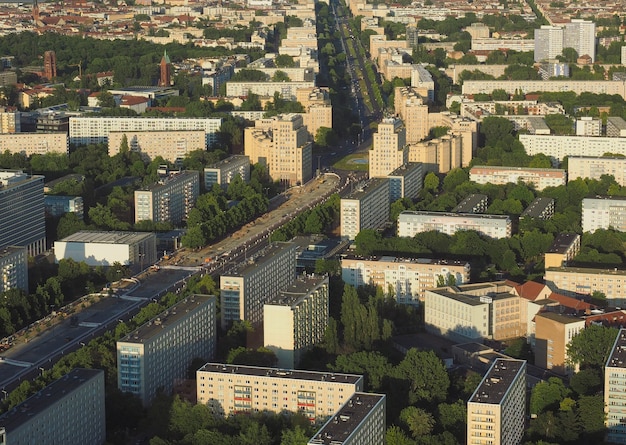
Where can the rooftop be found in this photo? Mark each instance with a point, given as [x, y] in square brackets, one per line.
[587, 270]
[621, 199]
[11, 250]
[563, 242]
[261, 257]
[468, 204]
[47, 397]
[393, 259]
[281, 373]
[230, 159]
[166, 318]
[178, 176]
[536, 208]
[365, 189]
[497, 381]
[298, 290]
[345, 421]
[559, 318]
[617, 359]
[455, 215]
[516, 169]
[405, 169]
[90, 236]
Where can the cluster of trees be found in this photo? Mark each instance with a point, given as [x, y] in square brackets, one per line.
[317, 220]
[602, 247]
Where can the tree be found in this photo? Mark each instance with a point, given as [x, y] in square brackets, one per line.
[495, 129]
[396, 436]
[419, 421]
[586, 381]
[325, 137]
[426, 374]
[373, 365]
[454, 178]
[547, 394]
[453, 417]
[431, 182]
[297, 436]
[592, 346]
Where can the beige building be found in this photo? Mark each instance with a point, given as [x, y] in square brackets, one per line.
[410, 223]
[249, 285]
[497, 175]
[595, 167]
[461, 127]
[296, 319]
[575, 281]
[563, 250]
[604, 212]
[413, 110]
[69, 410]
[282, 144]
[287, 90]
[232, 389]
[553, 332]
[534, 86]
[389, 149]
[13, 269]
[588, 126]
[438, 155]
[10, 121]
[365, 208]
[404, 279]
[172, 146]
[363, 422]
[614, 389]
[496, 412]
[558, 147]
[34, 143]
[319, 111]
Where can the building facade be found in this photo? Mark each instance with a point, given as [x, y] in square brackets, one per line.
[614, 389]
[365, 208]
[247, 287]
[577, 281]
[615, 127]
[232, 389]
[22, 220]
[225, 170]
[497, 175]
[595, 167]
[297, 318]
[406, 181]
[172, 146]
[389, 149]
[540, 208]
[413, 110]
[604, 212]
[410, 223]
[496, 412]
[170, 200]
[70, 411]
[59, 205]
[529, 86]
[558, 147]
[287, 90]
[563, 250]
[553, 332]
[13, 268]
[30, 144]
[161, 350]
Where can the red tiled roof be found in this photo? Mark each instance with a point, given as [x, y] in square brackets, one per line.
[572, 303]
[530, 290]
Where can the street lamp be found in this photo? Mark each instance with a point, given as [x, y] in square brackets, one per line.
[5, 394]
[42, 370]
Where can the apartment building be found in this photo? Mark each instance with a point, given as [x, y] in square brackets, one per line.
[157, 353]
[581, 35]
[474, 203]
[496, 412]
[491, 44]
[135, 249]
[604, 212]
[563, 250]
[548, 42]
[389, 149]
[10, 120]
[528, 86]
[225, 170]
[462, 128]
[22, 221]
[497, 175]
[558, 147]
[360, 421]
[248, 286]
[318, 109]
[615, 127]
[576, 281]
[438, 155]
[169, 200]
[423, 82]
[473, 312]
[365, 208]
[410, 223]
[614, 389]
[86, 130]
[594, 167]
[296, 319]
[172, 146]
[59, 205]
[404, 279]
[287, 90]
[231, 389]
[540, 208]
[282, 144]
[413, 110]
[405, 181]
[30, 144]
[13, 268]
[69, 410]
[588, 126]
[553, 332]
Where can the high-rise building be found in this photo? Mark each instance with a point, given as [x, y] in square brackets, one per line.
[360, 421]
[282, 144]
[318, 109]
[548, 42]
[225, 170]
[160, 351]
[296, 319]
[69, 410]
[229, 389]
[614, 389]
[604, 212]
[49, 65]
[413, 110]
[496, 412]
[13, 268]
[247, 287]
[22, 220]
[405, 181]
[169, 200]
[365, 208]
[410, 223]
[389, 149]
[165, 70]
[581, 35]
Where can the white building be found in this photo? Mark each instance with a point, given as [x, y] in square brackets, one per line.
[95, 130]
[69, 411]
[107, 248]
[529, 86]
[594, 167]
[558, 147]
[604, 212]
[548, 42]
[498, 175]
[588, 126]
[225, 170]
[171, 145]
[13, 268]
[156, 354]
[581, 35]
[287, 90]
[614, 389]
[296, 319]
[410, 223]
[365, 208]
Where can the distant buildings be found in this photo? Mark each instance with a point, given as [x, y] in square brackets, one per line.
[69, 410]
[411, 223]
[35, 143]
[296, 319]
[365, 208]
[413, 110]
[497, 175]
[231, 389]
[22, 220]
[529, 86]
[172, 145]
[106, 248]
[225, 170]
[496, 412]
[13, 269]
[287, 90]
[169, 200]
[160, 351]
[614, 389]
[604, 212]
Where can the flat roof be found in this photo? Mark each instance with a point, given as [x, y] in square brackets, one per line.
[394, 259]
[345, 421]
[563, 242]
[297, 290]
[366, 188]
[405, 169]
[516, 169]
[261, 257]
[228, 160]
[170, 178]
[281, 373]
[454, 215]
[97, 237]
[617, 358]
[11, 250]
[606, 198]
[497, 381]
[587, 270]
[48, 396]
[463, 298]
[559, 318]
[166, 318]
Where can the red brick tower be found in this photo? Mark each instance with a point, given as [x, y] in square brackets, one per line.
[50, 65]
[166, 76]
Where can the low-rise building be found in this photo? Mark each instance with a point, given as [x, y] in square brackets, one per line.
[365, 208]
[498, 175]
[615, 127]
[13, 268]
[157, 353]
[563, 250]
[541, 208]
[171, 145]
[474, 203]
[405, 181]
[595, 167]
[225, 170]
[604, 212]
[232, 389]
[410, 223]
[578, 281]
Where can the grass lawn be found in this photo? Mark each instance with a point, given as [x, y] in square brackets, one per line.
[355, 162]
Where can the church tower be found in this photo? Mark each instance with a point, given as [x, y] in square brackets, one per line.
[35, 12]
[50, 65]
[166, 67]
